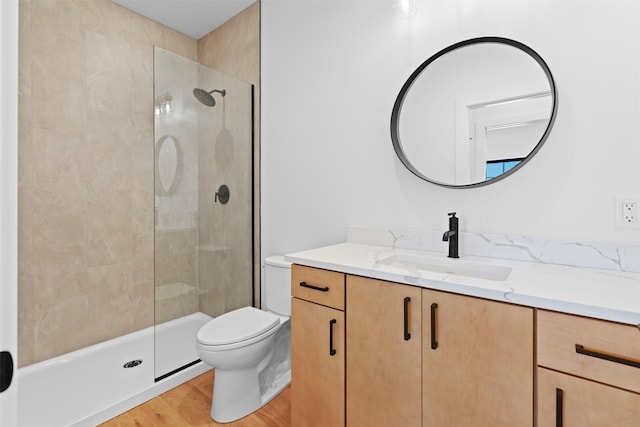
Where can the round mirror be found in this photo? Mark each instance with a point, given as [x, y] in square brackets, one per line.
[474, 113]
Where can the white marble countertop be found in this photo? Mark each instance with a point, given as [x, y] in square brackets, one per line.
[602, 294]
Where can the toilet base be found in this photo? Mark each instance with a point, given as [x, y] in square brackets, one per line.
[238, 397]
[240, 391]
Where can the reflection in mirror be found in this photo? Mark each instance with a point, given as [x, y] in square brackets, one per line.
[168, 165]
[474, 113]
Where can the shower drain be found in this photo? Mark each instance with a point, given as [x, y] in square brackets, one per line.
[132, 364]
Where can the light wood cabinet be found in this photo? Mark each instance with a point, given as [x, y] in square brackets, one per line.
[317, 348]
[477, 362]
[369, 352]
[383, 353]
[602, 351]
[588, 372]
[567, 401]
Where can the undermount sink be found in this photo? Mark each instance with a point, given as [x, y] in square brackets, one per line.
[447, 265]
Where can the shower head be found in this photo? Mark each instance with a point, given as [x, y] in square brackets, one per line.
[205, 97]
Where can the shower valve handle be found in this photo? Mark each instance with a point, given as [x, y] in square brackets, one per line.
[222, 195]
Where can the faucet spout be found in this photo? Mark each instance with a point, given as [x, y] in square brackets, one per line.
[451, 236]
[448, 234]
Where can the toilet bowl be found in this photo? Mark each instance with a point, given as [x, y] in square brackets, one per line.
[250, 349]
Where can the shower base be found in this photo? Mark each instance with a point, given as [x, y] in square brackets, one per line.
[91, 385]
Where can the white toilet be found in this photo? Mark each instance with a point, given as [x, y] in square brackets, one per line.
[250, 349]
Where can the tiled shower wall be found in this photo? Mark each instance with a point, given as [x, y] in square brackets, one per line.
[234, 49]
[86, 199]
[203, 250]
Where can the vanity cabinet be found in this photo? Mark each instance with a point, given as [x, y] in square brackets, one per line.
[383, 353]
[588, 372]
[477, 361]
[317, 347]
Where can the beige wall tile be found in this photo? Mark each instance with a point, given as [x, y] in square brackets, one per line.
[64, 17]
[141, 95]
[60, 239]
[59, 101]
[109, 78]
[234, 49]
[61, 326]
[59, 172]
[110, 138]
[117, 301]
[179, 44]
[109, 228]
[86, 227]
[86, 172]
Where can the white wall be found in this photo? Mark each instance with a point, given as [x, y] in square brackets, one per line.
[331, 71]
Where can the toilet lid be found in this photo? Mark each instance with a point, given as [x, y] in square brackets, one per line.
[237, 325]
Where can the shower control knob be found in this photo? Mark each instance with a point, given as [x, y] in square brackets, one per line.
[222, 195]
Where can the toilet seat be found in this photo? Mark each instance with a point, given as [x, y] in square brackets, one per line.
[237, 328]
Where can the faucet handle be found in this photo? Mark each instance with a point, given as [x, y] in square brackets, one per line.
[452, 214]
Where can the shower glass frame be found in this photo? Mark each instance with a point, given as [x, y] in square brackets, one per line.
[203, 249]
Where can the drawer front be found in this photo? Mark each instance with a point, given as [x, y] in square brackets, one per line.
[318, 286]
[603, 351]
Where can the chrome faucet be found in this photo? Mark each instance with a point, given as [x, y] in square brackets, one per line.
[451, 236]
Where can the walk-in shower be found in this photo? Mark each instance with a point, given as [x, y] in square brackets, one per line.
[207, 97]
[203, 247]
[203, 257]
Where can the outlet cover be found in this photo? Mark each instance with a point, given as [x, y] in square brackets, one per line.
[628, 211]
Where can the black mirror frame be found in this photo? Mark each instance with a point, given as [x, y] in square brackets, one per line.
[397, 107]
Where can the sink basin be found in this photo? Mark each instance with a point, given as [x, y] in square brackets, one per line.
[448, 266]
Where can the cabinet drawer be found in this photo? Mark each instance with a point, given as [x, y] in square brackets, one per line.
[603, 351]
[317, 285]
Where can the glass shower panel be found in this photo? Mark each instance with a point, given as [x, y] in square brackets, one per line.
[203, 203]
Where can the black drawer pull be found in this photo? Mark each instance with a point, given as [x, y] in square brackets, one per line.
[559, 415]
[315, 288]
[434, 331]
[332, 351]
[611, 358]
[407, 335]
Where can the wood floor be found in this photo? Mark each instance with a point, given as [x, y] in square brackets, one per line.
[190, 403]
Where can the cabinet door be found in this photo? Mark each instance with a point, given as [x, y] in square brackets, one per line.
[317, 365]
[477, 362]
[383, 356]
[567, 401]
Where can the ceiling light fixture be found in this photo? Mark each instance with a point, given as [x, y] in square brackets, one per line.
[405, 9]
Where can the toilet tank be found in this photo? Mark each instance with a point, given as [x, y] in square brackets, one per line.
[277, 285]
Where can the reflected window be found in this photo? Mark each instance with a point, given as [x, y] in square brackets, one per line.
[498, 167]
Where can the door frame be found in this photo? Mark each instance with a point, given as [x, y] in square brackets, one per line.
[9, 200]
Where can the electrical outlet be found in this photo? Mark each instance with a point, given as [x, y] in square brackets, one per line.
[627, 212]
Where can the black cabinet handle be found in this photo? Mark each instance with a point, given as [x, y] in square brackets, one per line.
[315, 288]
[407, 335]
[604, 356]
[559, 415]
[434, 319]
[332, 351]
